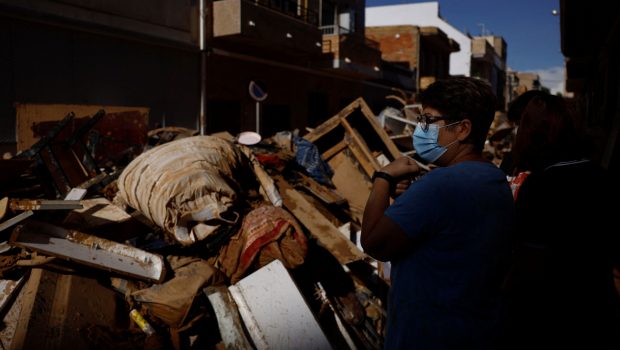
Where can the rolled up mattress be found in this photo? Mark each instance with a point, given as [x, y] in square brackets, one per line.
[187, 186]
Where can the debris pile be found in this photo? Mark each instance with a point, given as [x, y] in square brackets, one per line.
[193, 241]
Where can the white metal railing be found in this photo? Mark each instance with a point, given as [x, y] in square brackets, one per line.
[334, 29]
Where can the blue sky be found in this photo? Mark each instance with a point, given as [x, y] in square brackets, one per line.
[528, 26]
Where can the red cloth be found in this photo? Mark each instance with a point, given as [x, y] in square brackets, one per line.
[271, 160]
[516, 182]
[267, 232]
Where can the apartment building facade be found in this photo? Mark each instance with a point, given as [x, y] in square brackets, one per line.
[425, 14]
[191, 60]
[489, 63]
[424, 50]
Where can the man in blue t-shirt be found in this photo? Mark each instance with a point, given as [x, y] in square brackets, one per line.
[448, 233]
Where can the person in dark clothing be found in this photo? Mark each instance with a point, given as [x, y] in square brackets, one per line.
[447, 234]
[518, 105]
[561, 293]
[514, 117]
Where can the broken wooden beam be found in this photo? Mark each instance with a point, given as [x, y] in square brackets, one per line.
[335, 149]
[88, 250]
[4, 205]
[16, 219]
[365, 120]
[76, 194]
[351, 182]
[43, 204]
[319, 227]
[8, 288]
[56, 309]
[267, 186]
[325, 194]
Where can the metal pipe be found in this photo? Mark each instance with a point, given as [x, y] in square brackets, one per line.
[203, 69]
[257, 117]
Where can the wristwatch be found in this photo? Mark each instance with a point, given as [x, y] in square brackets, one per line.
[389, 178]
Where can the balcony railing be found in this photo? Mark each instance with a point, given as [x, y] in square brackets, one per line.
[333, 29]
[289, 8]
[338, 30]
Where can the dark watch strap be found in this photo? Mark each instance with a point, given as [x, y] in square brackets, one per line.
[385, 176]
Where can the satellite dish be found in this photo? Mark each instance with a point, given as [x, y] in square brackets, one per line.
[257, 91]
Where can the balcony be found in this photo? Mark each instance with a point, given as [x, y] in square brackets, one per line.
[270, 24]
[483, 51]
[292, 9]
[353, 53]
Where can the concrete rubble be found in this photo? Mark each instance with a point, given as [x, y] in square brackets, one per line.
[214, 243]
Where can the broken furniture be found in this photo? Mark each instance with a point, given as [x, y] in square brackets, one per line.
[400, 124]
[318, 226]
[352, 140]
[347, 316]
[71, 151]
[68, 160]
[122, 133]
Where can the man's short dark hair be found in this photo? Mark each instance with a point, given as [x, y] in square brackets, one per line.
[464, 98]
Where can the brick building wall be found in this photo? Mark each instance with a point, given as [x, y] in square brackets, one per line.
[398, 44]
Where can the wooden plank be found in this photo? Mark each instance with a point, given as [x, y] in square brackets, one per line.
[351, 183]
[342, 118]
[14, 220]
[323, 193]
[43, 204]
[69, 163]
[378, 129]
[4, 205]
[361, 158]
[320, 131]
[89, 250]
[28, 319]
[332, 122]
[267, 187]
[76, 194]
[8, 288]
[320, 228]
[55, 171]
[332, 151]
[55, 307]
[96, 212]
[361, 151]
[4, 247]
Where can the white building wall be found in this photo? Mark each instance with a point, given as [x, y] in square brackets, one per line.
[425, 14]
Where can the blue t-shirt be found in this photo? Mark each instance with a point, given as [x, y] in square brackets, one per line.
[445, 292]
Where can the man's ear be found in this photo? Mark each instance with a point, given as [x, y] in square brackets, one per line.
[464, 130]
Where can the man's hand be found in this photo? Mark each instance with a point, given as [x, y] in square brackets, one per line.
[402, 167]
[381, 237]
[401, 187]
